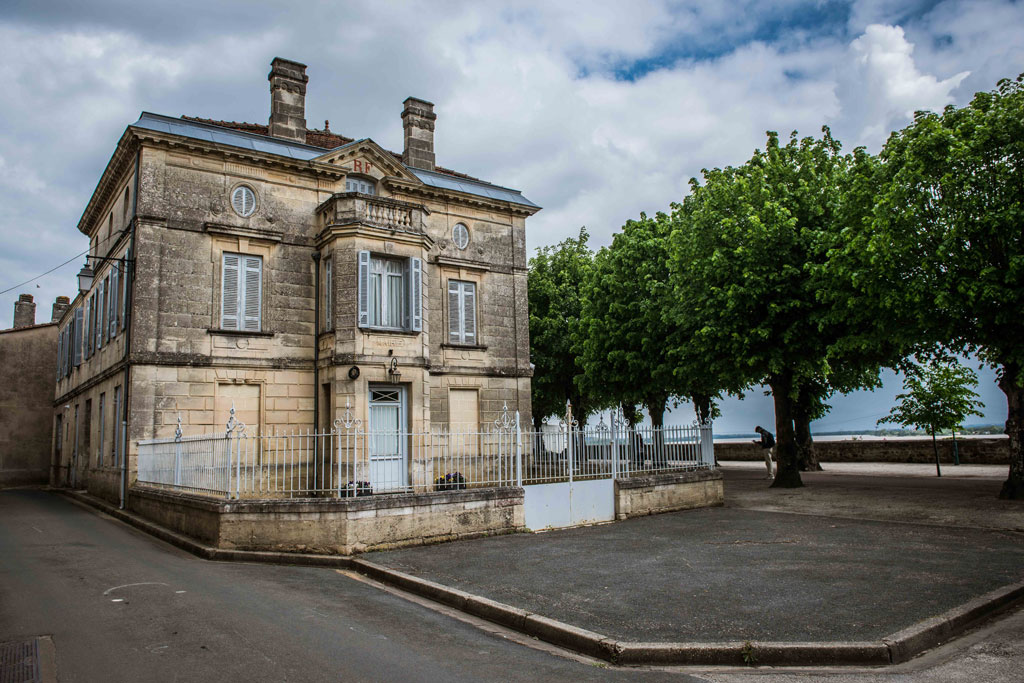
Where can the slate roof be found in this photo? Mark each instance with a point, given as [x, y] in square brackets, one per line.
[255, 136]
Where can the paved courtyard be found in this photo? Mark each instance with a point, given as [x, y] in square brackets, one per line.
[743, 572]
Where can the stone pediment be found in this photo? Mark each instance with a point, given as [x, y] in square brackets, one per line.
[365, 157]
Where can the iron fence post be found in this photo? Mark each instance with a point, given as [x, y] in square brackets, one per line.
[177, 453]
[519, 453]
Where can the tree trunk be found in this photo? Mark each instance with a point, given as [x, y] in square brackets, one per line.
[787, 476]
[656, 409]
[935, 446]
[1013, 487]
[634, 450]
[806, 457]
[701, 406]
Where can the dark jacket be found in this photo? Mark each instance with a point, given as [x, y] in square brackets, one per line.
[767, 440]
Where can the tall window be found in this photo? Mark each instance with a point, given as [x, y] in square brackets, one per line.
[99, 457]
[390, 292]
[241, 292]
[387, 293]
[327, 314]
[461, 312]
[116, 459]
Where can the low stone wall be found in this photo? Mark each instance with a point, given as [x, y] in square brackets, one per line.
[650, 495]
[977, 451]
[334, 526]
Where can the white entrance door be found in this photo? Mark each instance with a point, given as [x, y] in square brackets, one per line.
[387, 439]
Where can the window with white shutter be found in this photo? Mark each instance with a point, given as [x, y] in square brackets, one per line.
[124, 286]
[390, 293]
[76, 337]
[241, 292]
[101, 312]
[461, 312]
[243, 200]
[114, 293]
[327, 314]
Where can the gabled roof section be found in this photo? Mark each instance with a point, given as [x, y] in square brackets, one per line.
[253, 136]
[366, 149]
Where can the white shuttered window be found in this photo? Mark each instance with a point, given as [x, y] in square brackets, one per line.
[461, 312]
[241, 292]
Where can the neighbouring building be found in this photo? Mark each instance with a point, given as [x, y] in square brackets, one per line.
[292, 274]
[27, 381]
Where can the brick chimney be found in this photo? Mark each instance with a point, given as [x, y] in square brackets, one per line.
[24, 311]
[61, 304]
[288, 99]
[418, 121]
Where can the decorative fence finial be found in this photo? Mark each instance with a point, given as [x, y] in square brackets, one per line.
[568, 422]
[347, 419]
[234, 426]
[177, 432]
[505, 422]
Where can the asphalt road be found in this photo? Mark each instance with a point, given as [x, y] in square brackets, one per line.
[122, 606]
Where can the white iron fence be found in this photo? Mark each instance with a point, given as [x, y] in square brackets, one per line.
[350, 461]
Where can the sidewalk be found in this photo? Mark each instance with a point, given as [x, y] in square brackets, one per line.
[847, 569]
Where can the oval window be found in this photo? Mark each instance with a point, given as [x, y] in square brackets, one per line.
[243, 200]
[460, 235]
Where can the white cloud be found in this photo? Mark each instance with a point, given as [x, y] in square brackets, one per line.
[884, 87]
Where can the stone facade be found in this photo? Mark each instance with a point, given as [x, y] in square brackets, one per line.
[27, 359]
[184, 203]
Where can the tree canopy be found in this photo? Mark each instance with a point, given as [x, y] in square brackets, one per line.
[554, 281]
[744, 250]
[944, 251]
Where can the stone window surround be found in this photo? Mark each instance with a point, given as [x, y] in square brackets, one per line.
[465, 275]
[219, 244]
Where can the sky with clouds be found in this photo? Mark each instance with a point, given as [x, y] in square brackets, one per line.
[596, 110]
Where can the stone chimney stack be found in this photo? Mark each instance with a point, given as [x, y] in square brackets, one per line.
[418, 121]
[59, 307]
[288, 99]
[24, 311]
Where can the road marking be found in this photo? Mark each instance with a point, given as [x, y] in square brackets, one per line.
[117, 600]
[127, 585]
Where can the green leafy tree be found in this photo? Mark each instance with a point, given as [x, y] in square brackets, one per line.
[621, 340]
[938, 396]
[944, 252]
[554, 282]
[747, 247]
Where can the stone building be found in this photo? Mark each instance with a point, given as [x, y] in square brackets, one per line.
[27, 380]
[293, 274]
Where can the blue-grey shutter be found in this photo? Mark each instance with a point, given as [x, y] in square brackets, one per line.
[87, 329]
[229, 292]
[99, 316]
[364, 288]
[415, 284]
[454, 313]
[76, 341]
[115, 272]
[60, 354]
[124, 294]
[253, 292]
[328, 313]
[469, 312]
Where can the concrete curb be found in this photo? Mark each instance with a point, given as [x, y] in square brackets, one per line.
[893, 649]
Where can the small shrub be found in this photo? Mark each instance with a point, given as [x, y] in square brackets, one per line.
[356, 488]
[453, 481]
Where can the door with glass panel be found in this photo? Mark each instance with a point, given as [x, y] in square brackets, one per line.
[388, 438]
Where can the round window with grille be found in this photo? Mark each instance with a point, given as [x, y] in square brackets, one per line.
[243, 200]
[460, 235]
